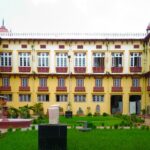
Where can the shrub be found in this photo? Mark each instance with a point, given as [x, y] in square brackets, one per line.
[96, 114]
[116, 126]
[103, 124]
[10, 129]
[105, 114]
[91, 125]
[110, 127]
[18, 129]
[89, 114]
[33, 127]
[143, 127]
[80, 111]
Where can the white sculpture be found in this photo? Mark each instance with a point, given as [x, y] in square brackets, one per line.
[53, 114]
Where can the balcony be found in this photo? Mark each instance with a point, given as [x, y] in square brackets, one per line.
[21, 88]
[98, 69]
[148, 88]
[5, 88]
[98, 89]
[24, 69]
[61, 88]
[79, 89]
[61, 69]
[43, 69]
[79, 69]
[43, 89]
[116, 69]
[135, 69]
[116, 89]
[135, 89]
[5, 69]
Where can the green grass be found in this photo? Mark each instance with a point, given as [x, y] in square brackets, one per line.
[96, 120]
[134, 139]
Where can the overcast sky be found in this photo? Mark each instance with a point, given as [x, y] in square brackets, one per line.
[75, 15]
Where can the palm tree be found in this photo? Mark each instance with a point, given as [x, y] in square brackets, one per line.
[13, 112]
[24, 111]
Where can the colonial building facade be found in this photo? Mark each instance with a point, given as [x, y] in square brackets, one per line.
[95, 72]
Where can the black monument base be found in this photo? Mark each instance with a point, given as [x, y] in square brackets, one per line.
[52, 137]
[68, 114]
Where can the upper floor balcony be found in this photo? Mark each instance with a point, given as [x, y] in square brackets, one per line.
[5, 69]
[116, 89]
[43, 89]
[98, 69]
[61, 89]
[21, 88]
[80, 89]
[148, 88]
[80, 69]
[61, 69]
[135, 69]
[98, 89]
[24, 69]
[43, 69]
[135, 89]
[116, 69]
[5, 88]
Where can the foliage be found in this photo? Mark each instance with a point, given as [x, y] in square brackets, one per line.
[10, 130]
[116, 126]
[89, 114]
[13, 112]
[96, 114]
[80, 111]
[24, 111]
[105, 114]
[91, 125]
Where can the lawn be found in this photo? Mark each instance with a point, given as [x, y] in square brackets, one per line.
[134, 139]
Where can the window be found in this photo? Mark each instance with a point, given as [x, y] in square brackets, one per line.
[98, 82]
[80, 60]
[24, 97]
[79, 98]
[61, 98]
[61, 59]
[80, 46]
[7, 97]
[98, 59]
[5, 45]
[98, 98]
[42, 59]
[5, 59]
[42, 46]
[24, 82]
[24, 59]
[5, 81]
[23, 46]
[118, 46]
[116, 59]
[116, 82]
[61, 82]
[135, 82]
[61, 46]
[43, 98]
[98, 46]
[80, 82]
[43, 82]
[135, 60]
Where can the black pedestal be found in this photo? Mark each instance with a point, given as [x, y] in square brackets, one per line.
[68, 114]
[52, 137]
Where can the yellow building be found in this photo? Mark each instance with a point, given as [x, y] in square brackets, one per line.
[95, 72]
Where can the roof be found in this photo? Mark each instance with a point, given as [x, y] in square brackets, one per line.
[3, 29]
[73, 36]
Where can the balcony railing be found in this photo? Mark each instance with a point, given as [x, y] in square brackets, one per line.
[148, 88]
[43, 69]
[79, 69]
[116, 89]
[98, 89]
[43, 89]
[24, 69]
[5, 88]
[21, 88]
[116, 69]
[98, 69]
[135, 89]
[61, 69]
[135, 69]
[5, 69]
[79, 89]
[61, 88]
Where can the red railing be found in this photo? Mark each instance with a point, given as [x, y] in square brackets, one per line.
[116, 69]
[135, 69]
[21, 88]
[5, 69]
[98, 89]
[98, 69]
[116, 89]
[135, 89]
[80, 69]
[5, 88]
[43, 69]
[148, 88]
[61, 69]
[42, 88]
[61, 88]
[24, 69]
[79, 89]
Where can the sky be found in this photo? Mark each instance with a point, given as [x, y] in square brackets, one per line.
[90, 16]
